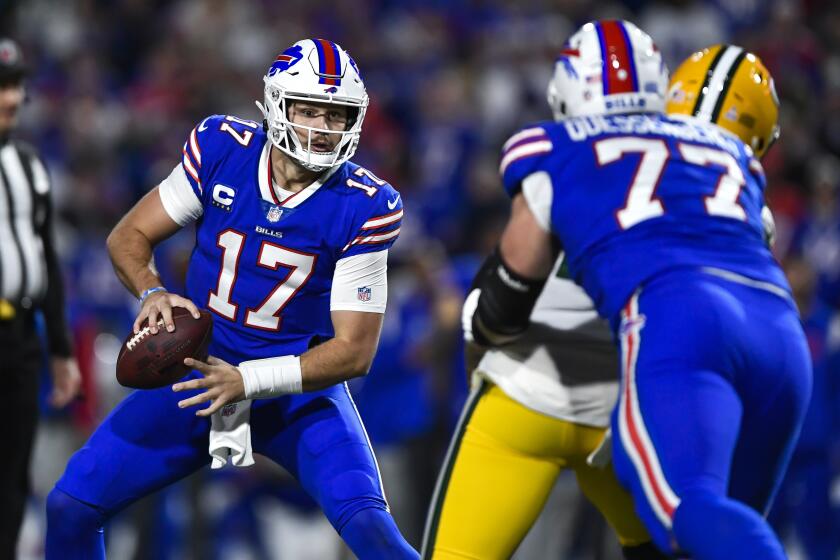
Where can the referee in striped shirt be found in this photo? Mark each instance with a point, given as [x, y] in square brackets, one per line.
[30, 280]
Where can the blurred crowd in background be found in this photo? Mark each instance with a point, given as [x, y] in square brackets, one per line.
[117, 85]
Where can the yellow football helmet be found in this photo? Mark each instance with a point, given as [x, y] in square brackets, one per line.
[731, 88]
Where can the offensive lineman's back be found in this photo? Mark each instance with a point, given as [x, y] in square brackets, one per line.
[633, 195]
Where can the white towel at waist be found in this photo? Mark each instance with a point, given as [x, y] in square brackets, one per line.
[230, 435]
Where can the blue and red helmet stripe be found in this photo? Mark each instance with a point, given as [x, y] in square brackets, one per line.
[619, 73]
[329, 62]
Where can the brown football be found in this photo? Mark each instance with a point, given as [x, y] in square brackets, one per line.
[147, 360]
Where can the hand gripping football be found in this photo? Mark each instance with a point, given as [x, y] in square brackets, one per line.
[147, 360]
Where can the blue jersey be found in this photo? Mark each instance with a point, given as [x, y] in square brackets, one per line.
[635, 195]
[263, 266]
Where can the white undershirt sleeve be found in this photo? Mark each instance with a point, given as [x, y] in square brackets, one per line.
[539, 193]
[178, 198]
[360, 283]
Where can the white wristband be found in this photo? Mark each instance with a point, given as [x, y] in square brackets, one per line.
[271, 377]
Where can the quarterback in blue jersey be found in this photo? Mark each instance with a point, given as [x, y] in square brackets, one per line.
[660, 219]
[290, 257]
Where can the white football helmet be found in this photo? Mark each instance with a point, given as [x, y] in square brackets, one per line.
[314, 70]
[608, 67]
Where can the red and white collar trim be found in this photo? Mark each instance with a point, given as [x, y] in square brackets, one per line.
[272, 194]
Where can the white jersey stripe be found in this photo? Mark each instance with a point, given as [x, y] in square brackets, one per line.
[191, 170]
[41, 183]
[370, 447]
[524, 150]
[10, 269]
[32, 249]
[382, 221]
[196, 151]
[740, 279]
[633, 433]
[376, 238]
[522, 135]
[39, 177]
[717, 81]
[373, 239]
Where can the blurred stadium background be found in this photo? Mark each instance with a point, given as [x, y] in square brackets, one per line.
[117, 85]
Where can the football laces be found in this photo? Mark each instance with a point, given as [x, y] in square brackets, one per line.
[141, 334]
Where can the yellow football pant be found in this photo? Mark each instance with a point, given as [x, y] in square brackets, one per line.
[501, 466]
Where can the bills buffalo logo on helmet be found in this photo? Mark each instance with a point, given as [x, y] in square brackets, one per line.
[356, 68]
[564, 59]
[286, 60]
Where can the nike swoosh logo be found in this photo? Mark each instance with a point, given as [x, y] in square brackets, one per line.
[393, 203]
[202, 127]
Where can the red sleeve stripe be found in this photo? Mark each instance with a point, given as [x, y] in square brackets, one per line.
[523, 135]
[381, 221]
[196, 151]
[524, 150]
[373, 239]
[187, 151]
[188, 166]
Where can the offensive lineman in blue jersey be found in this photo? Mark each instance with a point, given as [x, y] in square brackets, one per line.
[660, 219]
[291, 248]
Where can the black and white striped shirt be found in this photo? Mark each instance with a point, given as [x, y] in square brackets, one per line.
[30, 276]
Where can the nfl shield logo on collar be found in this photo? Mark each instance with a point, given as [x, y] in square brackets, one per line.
[363, 293]
[274, 214]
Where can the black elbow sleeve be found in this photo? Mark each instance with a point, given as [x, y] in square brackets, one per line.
[504, 307]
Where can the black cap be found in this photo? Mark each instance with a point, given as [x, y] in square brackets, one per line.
[12, 66]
